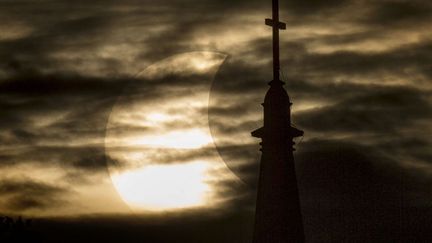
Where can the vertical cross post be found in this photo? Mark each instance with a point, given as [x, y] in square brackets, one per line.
[276, 25]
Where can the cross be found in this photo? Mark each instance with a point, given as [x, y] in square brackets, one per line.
[274, 22]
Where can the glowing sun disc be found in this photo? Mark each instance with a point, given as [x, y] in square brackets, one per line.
[164, 187]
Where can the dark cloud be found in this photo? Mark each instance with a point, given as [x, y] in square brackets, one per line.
[11, 187]
[29, 99]
[66, 27]
[394, 12]
[22, 203]
[23, 195]
[348, 62]
[85, 158]
[23, 135]
[383, 111]
[61, 85]
[312, 7]
[243, 160]
[94, 159]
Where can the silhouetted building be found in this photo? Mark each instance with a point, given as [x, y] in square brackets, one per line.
[278, 214]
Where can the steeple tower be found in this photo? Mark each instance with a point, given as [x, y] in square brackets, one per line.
[278, 213]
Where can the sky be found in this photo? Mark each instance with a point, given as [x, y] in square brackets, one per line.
[131, 119]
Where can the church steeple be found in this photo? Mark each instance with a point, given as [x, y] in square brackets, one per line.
[278, 213]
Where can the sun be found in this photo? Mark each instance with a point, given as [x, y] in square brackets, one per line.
[164, 187]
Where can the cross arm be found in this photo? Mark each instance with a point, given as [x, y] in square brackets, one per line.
[279, 25]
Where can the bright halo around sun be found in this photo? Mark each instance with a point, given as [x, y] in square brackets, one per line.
[158, 145]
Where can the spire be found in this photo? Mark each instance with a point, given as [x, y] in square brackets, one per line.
[276, 25]
[278, 213]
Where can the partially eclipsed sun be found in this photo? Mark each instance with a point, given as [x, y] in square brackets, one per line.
[159, 147]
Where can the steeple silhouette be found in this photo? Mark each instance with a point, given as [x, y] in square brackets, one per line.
[278, 213]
